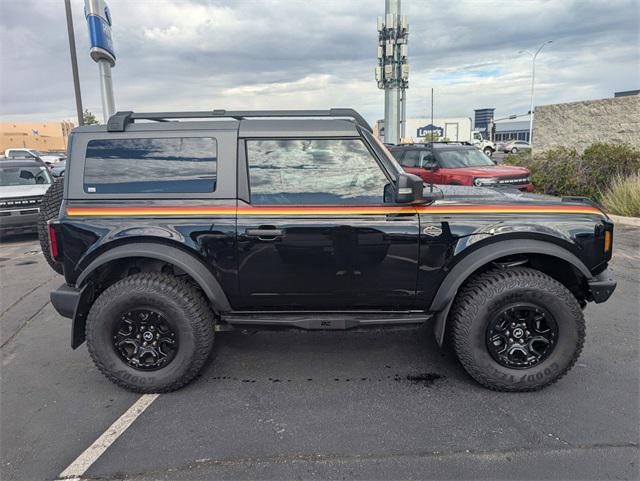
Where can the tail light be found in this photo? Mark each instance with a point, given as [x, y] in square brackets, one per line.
[54, 244]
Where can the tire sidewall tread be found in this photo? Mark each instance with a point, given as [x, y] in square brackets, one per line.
[496, 288]
[193, 320]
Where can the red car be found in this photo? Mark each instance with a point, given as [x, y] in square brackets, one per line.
[459, 164]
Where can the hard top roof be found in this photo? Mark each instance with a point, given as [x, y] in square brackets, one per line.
[120, 120]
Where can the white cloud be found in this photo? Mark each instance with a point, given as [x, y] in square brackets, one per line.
[292, 54]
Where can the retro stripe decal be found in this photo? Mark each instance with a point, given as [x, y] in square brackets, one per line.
[337, 210]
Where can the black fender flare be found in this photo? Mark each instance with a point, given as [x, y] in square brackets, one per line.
[150, 250]
[193, 266]
[448, 290]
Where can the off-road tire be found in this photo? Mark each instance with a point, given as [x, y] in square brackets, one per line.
[487, 293]
[182, 304]
[50, 209]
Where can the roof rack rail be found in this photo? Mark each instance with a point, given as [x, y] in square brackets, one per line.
[118, 121]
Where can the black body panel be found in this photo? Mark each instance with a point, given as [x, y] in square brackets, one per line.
[255, 264]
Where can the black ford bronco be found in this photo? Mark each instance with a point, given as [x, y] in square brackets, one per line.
[171, 226]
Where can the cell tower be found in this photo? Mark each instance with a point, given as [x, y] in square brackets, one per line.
[392, 72]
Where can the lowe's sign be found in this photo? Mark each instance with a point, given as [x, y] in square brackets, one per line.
[430, 129]
[99, 22]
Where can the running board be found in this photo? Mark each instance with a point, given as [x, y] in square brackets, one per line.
[329, 320]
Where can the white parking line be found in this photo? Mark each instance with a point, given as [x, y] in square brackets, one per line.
[83, 462]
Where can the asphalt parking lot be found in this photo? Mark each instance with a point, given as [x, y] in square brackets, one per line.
[345, 405]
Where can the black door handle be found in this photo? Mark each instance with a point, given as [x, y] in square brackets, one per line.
[264, 234]
[406, 216]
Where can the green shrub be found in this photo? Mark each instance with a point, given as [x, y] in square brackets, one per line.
[562, 171]
[623, 196]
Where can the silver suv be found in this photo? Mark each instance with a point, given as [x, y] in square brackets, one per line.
[22, 185]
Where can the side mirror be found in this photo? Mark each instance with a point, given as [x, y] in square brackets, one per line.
[409, 189]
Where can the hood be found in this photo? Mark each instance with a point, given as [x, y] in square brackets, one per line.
[13, 191]
[497, 171]
[487, 195]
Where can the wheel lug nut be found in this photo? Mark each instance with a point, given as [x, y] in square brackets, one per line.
[511, 340]
[144, 343]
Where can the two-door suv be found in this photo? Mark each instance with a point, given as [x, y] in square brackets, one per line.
[169, 230]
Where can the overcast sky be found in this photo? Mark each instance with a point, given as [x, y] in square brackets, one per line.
[268, 54]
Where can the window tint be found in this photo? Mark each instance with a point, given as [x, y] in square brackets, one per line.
[417, 158]
[314, 172]
[410, 158]
[135, 166]
[455, 159]
[24, 176]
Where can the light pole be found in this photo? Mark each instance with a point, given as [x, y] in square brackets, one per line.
[74, 60]
[533, 79]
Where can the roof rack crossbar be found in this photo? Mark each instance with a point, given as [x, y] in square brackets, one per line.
[118, 121]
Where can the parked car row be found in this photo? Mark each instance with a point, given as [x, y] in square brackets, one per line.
[54, 160]
[49, 158]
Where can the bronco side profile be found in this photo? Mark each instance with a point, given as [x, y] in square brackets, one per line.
[171, 226]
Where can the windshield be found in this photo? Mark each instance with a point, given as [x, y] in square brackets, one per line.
[24, 176]
[456, 159]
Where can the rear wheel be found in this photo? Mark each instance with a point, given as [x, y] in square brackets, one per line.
[516, 329]
[50, 209]
[514, 150]
[150, 332]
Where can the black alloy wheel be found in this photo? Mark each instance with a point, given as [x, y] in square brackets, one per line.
[521, 336]
[145, 340]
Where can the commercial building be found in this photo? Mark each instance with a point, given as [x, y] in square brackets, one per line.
[511, 130]
[481, 120]
[43, 136]
[452, 128]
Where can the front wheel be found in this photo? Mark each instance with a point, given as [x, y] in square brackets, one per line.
[516, 329]
[150, 332]
[488, 151]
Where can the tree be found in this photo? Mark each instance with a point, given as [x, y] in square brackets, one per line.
[88, 118]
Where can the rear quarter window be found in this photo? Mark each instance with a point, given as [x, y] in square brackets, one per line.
[151, 165]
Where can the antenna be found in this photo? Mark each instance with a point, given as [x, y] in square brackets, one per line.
[432, 128]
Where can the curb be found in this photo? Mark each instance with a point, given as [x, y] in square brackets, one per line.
[618, 219]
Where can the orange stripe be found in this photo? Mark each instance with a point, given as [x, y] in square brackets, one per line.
[316, 210]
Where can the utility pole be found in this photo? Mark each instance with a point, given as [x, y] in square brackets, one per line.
[533, 80]
[74, 61]
[102, 51]
[392, 72]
